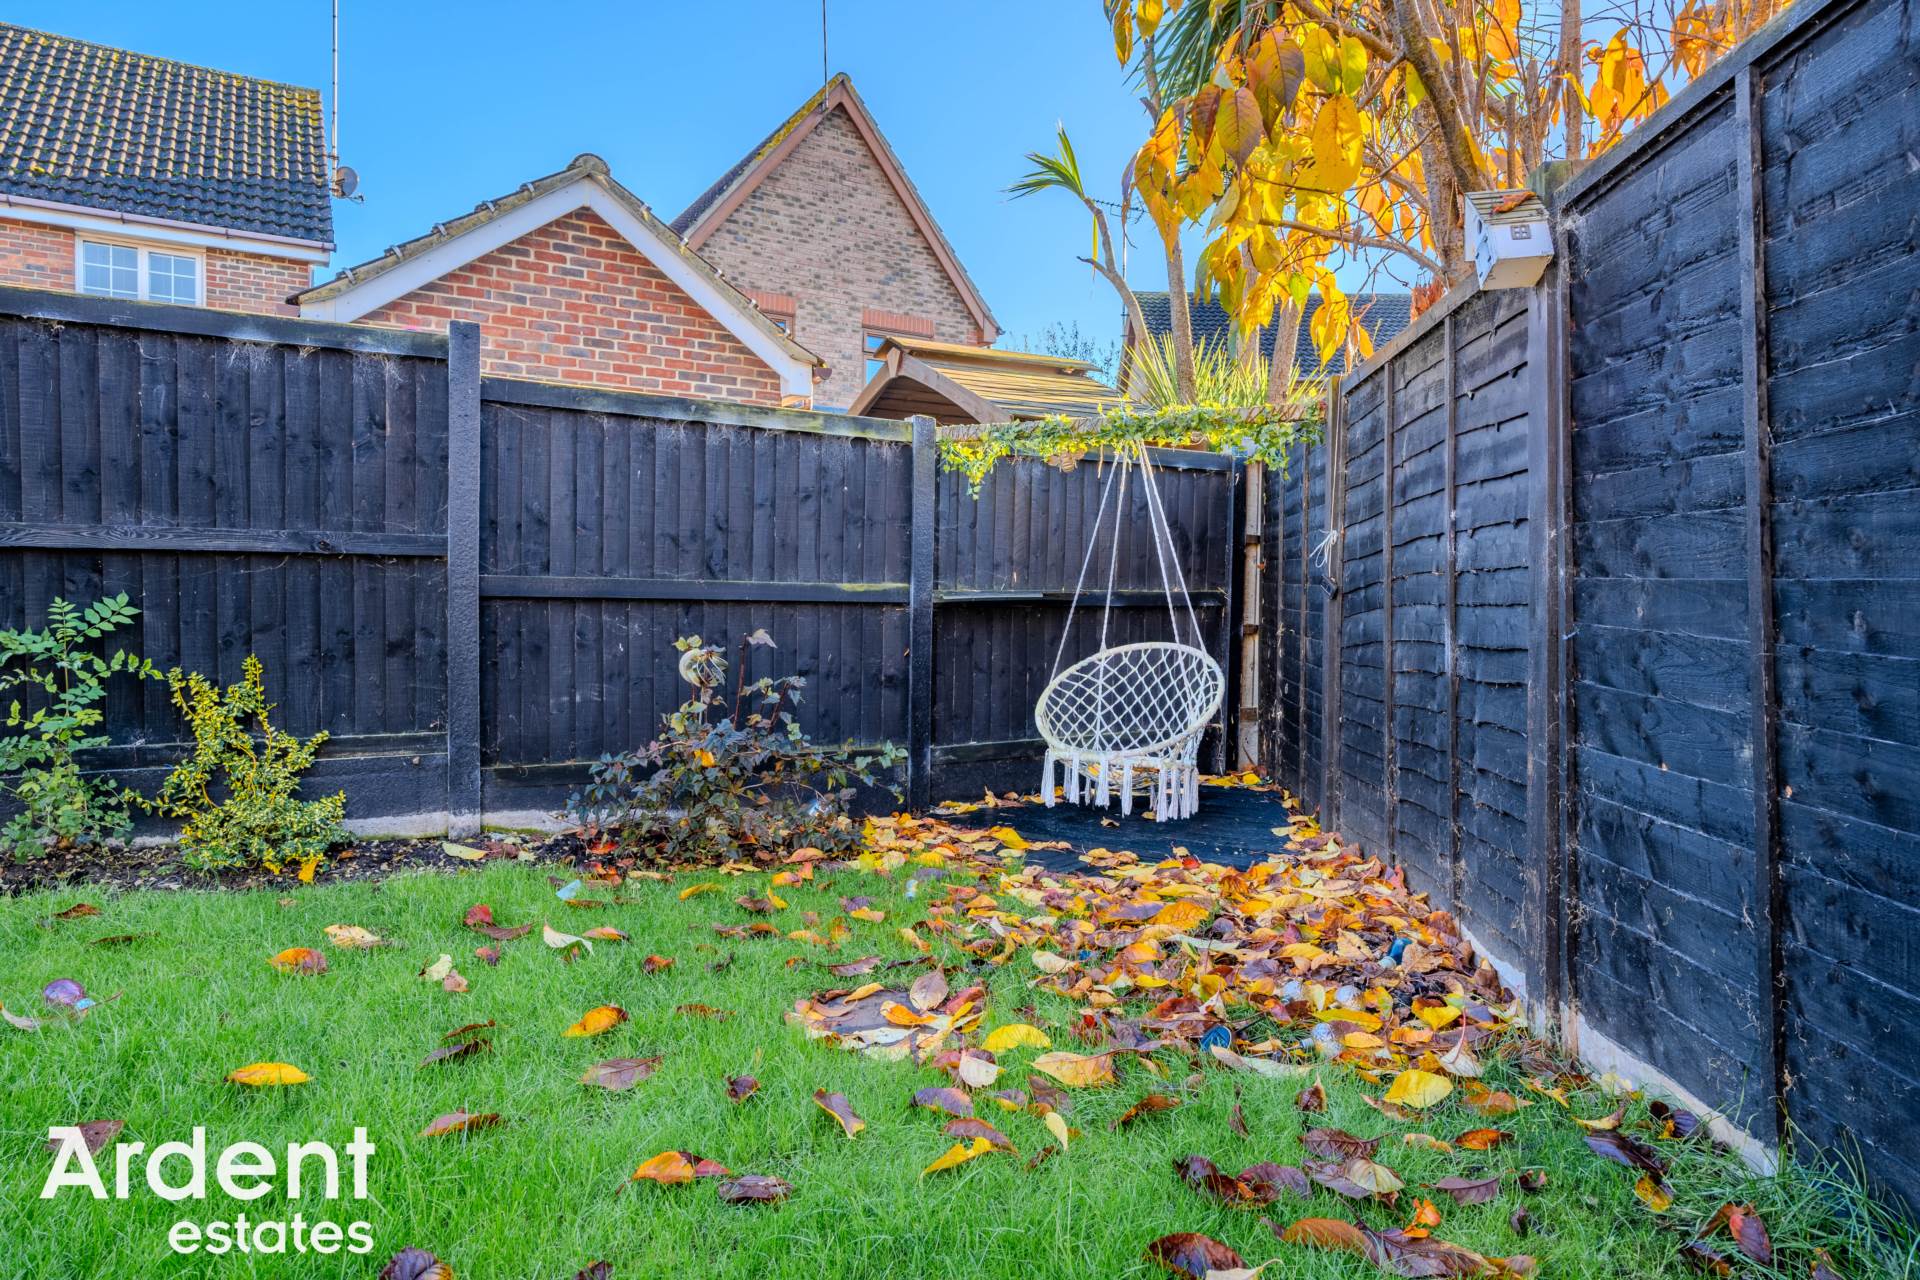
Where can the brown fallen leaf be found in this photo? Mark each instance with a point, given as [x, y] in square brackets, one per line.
[77, 911]
[740, 1088]
[1533, 1180]
[1270, 1180]
[465, 1048]
[617, 1074]
[1321, 1233]
[1704, 1258]
[1198, 1257]
[837, 1106]
[1237, 1121]
[1146, 1106]
[703, 1011]
[1311, 1099]
[415, 1264]
[1041, 1156]
[1337, 1144]
[754, 1188]
[654, 964]
[971, 1128]
[953, 1102]
[459, 1122]
[1624, 1149]
[491, 955]
[94, 1134]
[1469, 1190]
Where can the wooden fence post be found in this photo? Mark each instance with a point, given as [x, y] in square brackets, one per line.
[925, 495]
[1389, 751]
[1547, 961]
[1768, 903]
[1335, 552]
[1223, 752]
[463, 580]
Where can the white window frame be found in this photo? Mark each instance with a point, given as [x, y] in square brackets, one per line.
[144, 249]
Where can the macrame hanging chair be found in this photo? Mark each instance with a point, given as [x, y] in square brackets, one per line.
[1127, 720]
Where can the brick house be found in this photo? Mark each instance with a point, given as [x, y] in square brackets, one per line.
[158, 181]
[571, 278]
[821, 226]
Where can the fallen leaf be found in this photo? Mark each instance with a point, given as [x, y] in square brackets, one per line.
[464, 852]
[969, 1127]
[694, 890]
[1623, 1149]
[566, 944]
[754, 1189]
[703, 1011]
[1482, 1139]
[1322, 1233]
[928, 990]
[959, 1154]
[597, 1021]
[617, 1074]
[304, 960]
[1418, 1089]
[1311, 1099]
[1016, 1035]
[1654, 1193]
[1151, 1103]
[1077, 1071]
[1469, 1190]
[415, 1264]
[351, 937]
[1198, 1257]
[740, 1088]
[837, 1106]
[94, 1135]
[260, 1075]
[675, 1168]
[1338, 1144]
[459, 1122]
[77, 911]
[63, 992]
[1057, 1126]
[466, 1048]
[952, 1102]
[654, 964]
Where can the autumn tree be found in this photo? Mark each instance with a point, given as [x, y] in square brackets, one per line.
[1304, 135]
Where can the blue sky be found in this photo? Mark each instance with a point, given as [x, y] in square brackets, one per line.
[443, 105]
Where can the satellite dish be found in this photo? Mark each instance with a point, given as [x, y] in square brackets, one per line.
[345, 182]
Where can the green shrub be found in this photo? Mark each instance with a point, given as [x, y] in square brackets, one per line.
[747, 784]
[237, 793]
[59, 807]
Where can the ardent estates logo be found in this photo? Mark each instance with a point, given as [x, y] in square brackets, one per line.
[244, 1171]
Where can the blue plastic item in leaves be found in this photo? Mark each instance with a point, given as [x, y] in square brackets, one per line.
[1217, 1037]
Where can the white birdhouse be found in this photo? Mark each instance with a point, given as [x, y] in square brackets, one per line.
[1512, 244]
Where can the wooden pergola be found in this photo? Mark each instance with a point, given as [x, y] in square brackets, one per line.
[952, 383]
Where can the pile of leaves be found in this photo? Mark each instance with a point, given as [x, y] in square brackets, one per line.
[724, 778]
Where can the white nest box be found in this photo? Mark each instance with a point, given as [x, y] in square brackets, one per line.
[1512, 243]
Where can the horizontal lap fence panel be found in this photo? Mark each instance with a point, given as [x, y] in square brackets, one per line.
[1614, 650]
[474, 584]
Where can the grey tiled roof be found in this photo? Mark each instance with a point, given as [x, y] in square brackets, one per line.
[85, 124]
[1384, 314]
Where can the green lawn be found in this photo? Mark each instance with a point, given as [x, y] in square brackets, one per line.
[536, 1198]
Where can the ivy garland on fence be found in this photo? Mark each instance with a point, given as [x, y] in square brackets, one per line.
[1266, 434]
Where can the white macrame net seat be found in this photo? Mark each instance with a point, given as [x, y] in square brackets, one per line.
[1128, 719]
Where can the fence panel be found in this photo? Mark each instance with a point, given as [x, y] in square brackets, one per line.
[1842, 267]
[256, 488]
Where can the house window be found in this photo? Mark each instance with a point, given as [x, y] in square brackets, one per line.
[114, 270]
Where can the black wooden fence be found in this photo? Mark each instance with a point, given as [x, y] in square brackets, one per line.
[1622, 663]
[474, 584]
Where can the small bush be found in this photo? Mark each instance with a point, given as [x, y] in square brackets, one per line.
[237, 794]
[726, 782]
[59, 807]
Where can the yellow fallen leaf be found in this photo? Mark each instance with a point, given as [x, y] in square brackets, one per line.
[597, 1021]
[1076, 1070]
[868, 914]
[958, 1155]
[257, 1075]
[694, 891]
[1438, 1016]
[350, 936]
[299, 960]
[669, 1168]
[1057, 1126]
[1418, 1089]
[1656, 1195]
[914, 940]
[1180, 916]
[466, 853]
[1009, 837]
[1016, 1035]
[1047, 962]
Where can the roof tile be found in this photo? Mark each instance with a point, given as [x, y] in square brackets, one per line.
[85, 124]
